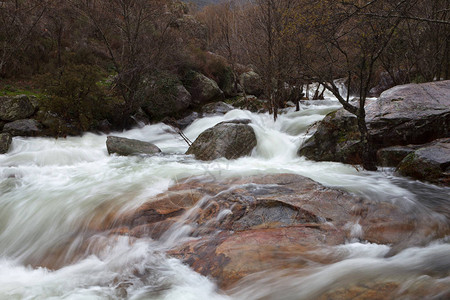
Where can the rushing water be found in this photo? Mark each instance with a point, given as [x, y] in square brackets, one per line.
[53, 191]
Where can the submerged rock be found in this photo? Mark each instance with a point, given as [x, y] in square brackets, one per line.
[407, 114]
[125, 147]
[273, 222]
[232, 139]
[5, 142]
[15, 108]
[429, 163]
[27, 127]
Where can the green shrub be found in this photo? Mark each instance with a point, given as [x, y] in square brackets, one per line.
[75, 95]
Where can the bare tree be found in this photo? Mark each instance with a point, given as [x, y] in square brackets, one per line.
[134, 33]
[18, 23]
[347, 39]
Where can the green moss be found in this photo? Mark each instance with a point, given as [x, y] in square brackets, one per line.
[9, 90]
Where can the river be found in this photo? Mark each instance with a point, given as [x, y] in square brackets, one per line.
[53, 190]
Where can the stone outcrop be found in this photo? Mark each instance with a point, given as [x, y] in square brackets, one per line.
[428, 163]
[252, 83]
[5, 142]
[232, 139]
[247, 225]
[125, 147]
[15, 108]
[407, 114]
[26, 127]
[202, 88]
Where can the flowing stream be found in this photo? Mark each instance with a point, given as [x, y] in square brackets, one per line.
[53, 191]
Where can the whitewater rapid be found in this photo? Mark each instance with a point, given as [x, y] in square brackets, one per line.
[53, 191]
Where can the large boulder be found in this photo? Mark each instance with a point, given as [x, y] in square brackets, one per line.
[248, 225]
[15, 108]
[336, 139]
[166, 99]
[125, 147]
[410, 114]
[407, 114]
[251, 83]
[429, 163]
[202, 88]
[26, 127]
[5, 142]
[232, 139]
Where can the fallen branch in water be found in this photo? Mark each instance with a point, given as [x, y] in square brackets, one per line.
[172, 123]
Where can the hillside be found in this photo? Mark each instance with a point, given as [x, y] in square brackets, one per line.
[201, 3]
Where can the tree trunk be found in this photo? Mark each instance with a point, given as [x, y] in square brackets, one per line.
[368, 153]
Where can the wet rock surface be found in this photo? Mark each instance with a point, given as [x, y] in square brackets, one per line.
[125, 147]
[406, 114]
[336, 139]
[5, 142]
[428, 163]
[242, 226]
[232, 139]
[26, 127]
[392, 156]
[216, 108]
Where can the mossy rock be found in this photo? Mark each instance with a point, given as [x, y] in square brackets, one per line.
[430, 163]
[337, 139]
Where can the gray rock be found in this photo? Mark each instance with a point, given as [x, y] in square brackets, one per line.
[231, 140]
[216, 108]
[202, 88]
[336, 139]
[5, 142]
[125, 147]
[251, 83]
[410, 114]
[231, 90]
[15, 108]
[141, 118]
[159, 104]
[403, 115]
[392, 156]
[188, 120]
[251, 103]
[429, 163]
[26, 127]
